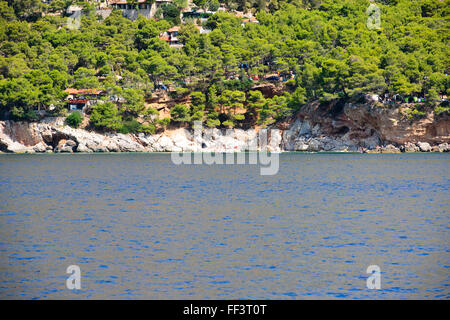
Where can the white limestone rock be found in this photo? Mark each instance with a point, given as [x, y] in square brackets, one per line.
[424, 146]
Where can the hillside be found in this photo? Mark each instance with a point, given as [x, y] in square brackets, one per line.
[240, 64]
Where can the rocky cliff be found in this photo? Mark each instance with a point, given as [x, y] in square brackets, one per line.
[335, 128]
[367, 127]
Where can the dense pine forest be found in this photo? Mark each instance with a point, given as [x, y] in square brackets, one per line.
[309, 50]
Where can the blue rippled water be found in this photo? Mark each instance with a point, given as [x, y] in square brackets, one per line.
[140, 227]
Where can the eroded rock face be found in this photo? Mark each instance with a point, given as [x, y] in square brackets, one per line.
[393, 126]
[444, 147]
[303, 136]
[334, 128]
[362, 127]
[15, 135]
[65, 146]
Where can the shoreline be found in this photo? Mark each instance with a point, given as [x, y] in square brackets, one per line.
[238, 152]
[28, 152]
[362, 128]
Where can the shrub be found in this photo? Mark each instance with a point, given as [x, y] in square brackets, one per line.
[130, 126]
[179, 92]
[23, 114]
[171, 13]
[198, 116]
[441, 109]
[213, 5]
[415, 114]
[228, 124]
[74, 119]
[238, 117]
[106, 116]
[148, 128]
[180, 113]
[212, 123]
[164, 122]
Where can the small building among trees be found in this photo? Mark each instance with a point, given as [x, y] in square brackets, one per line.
[80, 99]
[171, 37]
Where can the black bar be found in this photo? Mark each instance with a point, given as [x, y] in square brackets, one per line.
[224, 309]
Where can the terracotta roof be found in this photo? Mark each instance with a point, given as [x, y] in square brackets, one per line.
[73, 91]
[78, 101]
[251, 19]
[165, 38]
[176, 28]
[124, 1]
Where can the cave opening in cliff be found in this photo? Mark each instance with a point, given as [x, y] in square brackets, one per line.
[3, 147]
[343, 130]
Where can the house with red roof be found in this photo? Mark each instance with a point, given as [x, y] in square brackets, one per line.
[80, 99]
[171, 37]
[147, 8]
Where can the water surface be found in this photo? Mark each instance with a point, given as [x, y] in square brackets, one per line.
[140, 227]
